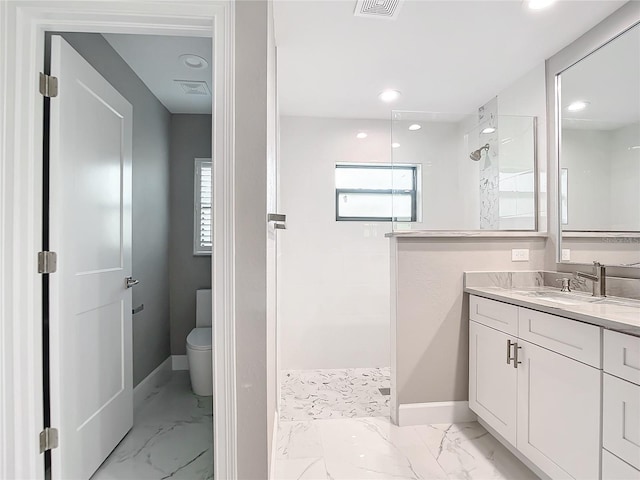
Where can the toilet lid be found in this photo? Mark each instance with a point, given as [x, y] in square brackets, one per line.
[200, 338]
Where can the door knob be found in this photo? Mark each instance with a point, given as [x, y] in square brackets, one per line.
[130, 282]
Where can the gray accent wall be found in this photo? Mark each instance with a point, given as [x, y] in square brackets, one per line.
[190, 139]
[151, 122]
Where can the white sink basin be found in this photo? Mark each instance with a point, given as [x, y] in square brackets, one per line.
[625, 302]
[563, 298]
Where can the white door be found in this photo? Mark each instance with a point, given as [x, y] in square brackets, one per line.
[493, 382]
[90, 229]
[558, 413]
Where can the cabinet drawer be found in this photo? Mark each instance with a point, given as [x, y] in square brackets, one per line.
[574, 339]
[615, 469]
[621, 419]
[498, 315]
[622, 356]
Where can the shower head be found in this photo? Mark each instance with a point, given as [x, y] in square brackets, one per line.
[477, 154]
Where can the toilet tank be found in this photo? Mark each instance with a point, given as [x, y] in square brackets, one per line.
[203, 308]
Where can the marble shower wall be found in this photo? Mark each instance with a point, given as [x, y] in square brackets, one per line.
[489, 167]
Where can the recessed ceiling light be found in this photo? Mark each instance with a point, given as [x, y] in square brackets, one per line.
[389, 95]
[395, 145]
[539, 4]
[361, 135]
[415, 127]
[489, 130]
[193, 61]
[577, 106]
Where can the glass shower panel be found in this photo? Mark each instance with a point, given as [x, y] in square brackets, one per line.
[473, 172]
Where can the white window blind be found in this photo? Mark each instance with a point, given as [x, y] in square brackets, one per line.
[203, 219]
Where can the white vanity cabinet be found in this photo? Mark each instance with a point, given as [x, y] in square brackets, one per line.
[621, 407]
[548, 404]
[493, 383]
[558, 413]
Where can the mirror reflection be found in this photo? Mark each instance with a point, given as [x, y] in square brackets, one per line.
[599, 102]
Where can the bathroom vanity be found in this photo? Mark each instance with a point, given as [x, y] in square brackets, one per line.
[556, 376]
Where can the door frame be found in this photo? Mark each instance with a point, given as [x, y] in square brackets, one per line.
[22, 28]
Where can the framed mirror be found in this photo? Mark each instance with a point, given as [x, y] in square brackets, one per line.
[597, 123]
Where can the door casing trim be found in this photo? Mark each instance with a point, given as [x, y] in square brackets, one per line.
[22, 28]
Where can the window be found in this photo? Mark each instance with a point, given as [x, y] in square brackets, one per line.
[376, 193]
[203, 216]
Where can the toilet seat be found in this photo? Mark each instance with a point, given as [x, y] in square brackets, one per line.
[199, 338]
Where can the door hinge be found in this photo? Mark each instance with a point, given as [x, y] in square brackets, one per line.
[47, 262]
[48, 439]
[48, 85]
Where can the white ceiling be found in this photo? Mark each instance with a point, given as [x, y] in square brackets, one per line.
[444, 56]
[155, 59]
[610, 80]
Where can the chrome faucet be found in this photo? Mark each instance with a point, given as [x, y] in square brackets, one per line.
[598, 279]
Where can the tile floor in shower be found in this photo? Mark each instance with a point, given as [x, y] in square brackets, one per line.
[337, 393]
[334, 425]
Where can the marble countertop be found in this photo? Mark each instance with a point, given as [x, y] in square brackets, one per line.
[613, 313]
[464, 234]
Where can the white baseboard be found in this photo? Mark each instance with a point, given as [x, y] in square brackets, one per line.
[434, 412]
[158, 377]
[179, 362]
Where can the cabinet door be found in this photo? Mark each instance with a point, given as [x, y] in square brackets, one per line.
[615, 469]
[621, 421]
[492, 382]
[558, 413]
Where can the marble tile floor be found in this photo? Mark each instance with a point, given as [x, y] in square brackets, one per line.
[337, 393]
[373, 448]
[172, 437]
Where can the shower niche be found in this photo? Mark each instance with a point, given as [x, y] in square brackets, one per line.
[473, 172]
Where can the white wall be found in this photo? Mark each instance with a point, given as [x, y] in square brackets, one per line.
[625, 178]
[586, 156]
[333, 276]
[448, 189]
[604, 173]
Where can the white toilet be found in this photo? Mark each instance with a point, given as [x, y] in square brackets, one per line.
[199, 347]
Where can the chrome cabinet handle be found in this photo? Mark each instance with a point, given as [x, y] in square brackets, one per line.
[515, 353]
[130, 282]
[509, 351]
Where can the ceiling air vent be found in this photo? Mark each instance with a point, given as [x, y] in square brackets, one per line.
[387, 9]
[193, 87]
